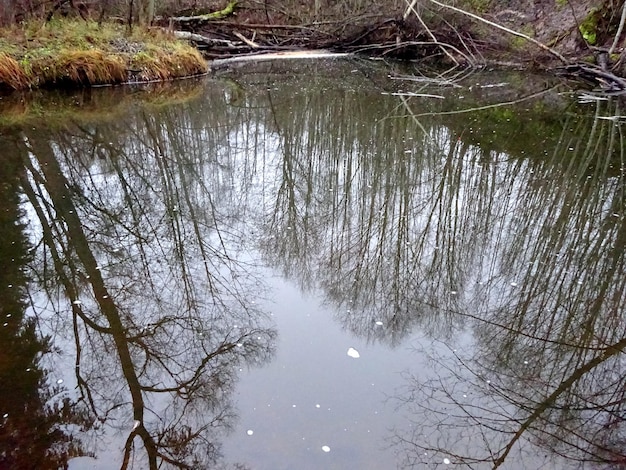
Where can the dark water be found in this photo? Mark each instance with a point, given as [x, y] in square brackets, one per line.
[190, 271]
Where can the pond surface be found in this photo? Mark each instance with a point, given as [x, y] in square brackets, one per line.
[314, 265]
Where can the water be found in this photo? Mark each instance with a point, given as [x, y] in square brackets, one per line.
[313, 265]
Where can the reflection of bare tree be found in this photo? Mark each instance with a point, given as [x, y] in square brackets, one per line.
[403, 221]
[138, 251]
[389, 215]
[33, 412]
[546, 365]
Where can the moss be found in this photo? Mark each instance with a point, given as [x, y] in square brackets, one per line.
[217, 15]
[519, 43]
[478, 6]
[589, 27]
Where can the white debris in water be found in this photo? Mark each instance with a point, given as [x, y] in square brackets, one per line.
[514, 284]
[353, 353]
[60, 381]
[379, 323]
[249, 432]
[452, 292]
[317, 405]
[326, 448]
[446, 461]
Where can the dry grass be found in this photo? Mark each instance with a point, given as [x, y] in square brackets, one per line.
[82, 68]
[12, 75]
[163, 64]
[80, 53]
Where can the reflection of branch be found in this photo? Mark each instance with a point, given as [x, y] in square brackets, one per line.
[188, 384]
[565, 385]
[489, 106]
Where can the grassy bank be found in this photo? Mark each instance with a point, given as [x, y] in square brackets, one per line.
[73, 53]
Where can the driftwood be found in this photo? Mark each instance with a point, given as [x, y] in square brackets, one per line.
[500, 27]
[313, 54]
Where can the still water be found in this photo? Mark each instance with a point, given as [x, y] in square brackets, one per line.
[313, 265]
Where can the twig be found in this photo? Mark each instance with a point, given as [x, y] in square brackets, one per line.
[619, 30]
[415, 43]
[249, 42]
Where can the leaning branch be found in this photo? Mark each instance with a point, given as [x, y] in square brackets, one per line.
[216, 15]
[503, 28]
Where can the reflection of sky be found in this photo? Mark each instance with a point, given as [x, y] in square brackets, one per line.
[279, 402]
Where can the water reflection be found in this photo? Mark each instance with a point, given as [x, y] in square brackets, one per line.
[33, 420]
[135, 273]
[547, 357]
[497, 232]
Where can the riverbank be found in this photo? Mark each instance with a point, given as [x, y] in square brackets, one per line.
[75, 52]
[581, 39]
